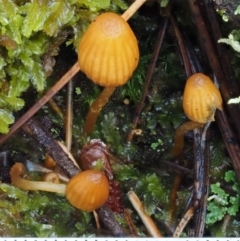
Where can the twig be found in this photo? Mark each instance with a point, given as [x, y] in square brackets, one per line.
[216, 33]
[201, 183]
[132, 9]
[69, 116]
[148, 222]
[56, 108]
[34, 129]
[132, 227]
[152, 64]
[108, 219]
[174, 199]
[230, 141]
[184, 221]
[182, 47]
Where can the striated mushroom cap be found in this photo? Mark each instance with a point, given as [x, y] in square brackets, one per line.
[201, 98]
[88, 190]
[108, 51]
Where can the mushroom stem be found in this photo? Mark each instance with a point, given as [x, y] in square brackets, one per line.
[95, 109]
[18, 170]
[148, 222]
[179, 136]
[132, 9]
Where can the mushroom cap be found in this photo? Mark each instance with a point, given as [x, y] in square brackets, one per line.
[201, 98]
[108, 51]
[88, 190]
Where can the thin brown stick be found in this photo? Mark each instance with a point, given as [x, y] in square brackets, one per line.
[173, 199]
[33, 128]
[132, 9]
[181, 45]
[216, 33]
[147, 220]
[230, 141]
[25, 117]
[184, 221]
[152, 64]
[56, 108]
[69, 116]
[201, 182]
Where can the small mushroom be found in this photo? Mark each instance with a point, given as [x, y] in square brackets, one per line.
[17, 173]
[88, 190]
[201, 98]
[110, 61]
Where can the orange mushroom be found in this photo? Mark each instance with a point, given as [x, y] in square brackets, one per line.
[88, 190]
[201, 98]
[108, 54]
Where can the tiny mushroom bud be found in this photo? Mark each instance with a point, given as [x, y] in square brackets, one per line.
[88, 190]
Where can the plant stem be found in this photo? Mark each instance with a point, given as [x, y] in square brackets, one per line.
[148, 222]
[95, 109]
[69, 116]
[179, 136]
[132, 9]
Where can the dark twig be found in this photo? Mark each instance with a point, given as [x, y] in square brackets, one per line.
[216, 33]
[69, 116]
[230, 141]
[152, 64]
[182, 48]
[34, 129]
[201, 182]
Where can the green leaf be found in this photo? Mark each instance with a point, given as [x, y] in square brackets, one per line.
[37, 14]
[120, 3]
[61, 13]
[38, 77]
[95, 5]
[235, 201]
[10, 102]
[237, 11]
[6, 118]
[216, 213]
[10, 12]
[231, 41]
[221, 194]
